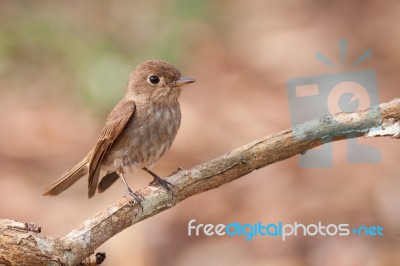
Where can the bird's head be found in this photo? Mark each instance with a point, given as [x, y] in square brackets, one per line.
[156, 80]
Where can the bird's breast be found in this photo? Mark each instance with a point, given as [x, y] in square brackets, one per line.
[146, 137]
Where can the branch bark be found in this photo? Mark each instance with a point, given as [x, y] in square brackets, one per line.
[22, 244]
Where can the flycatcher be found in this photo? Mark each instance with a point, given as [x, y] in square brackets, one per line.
[137, 132]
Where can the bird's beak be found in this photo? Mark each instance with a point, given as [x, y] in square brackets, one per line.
[182, 81]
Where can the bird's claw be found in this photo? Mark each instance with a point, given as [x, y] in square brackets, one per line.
[158, 180]
[165, 184]
[135, 198]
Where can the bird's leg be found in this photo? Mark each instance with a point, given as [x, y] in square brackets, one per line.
[134, 196]
[164, 183]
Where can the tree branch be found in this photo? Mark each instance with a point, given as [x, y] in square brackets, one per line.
[22, 244]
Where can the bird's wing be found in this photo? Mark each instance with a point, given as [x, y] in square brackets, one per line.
[115, 123]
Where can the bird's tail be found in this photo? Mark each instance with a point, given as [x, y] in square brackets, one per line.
[68, 179]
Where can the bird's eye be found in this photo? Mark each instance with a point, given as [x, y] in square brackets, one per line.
[154, 80]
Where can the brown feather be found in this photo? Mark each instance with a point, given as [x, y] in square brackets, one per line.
[67, 179]
[115, 124]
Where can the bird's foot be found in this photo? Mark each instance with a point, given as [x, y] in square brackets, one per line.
[164, 183]
[135, 197]
[158, 180]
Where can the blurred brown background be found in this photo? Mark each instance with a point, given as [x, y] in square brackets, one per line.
[64, 64]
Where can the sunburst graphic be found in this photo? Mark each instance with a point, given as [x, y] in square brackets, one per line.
[343, 52]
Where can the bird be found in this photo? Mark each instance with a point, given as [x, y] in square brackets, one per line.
[137, 132]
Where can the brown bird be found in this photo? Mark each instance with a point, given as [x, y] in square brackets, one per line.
[138, 131]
